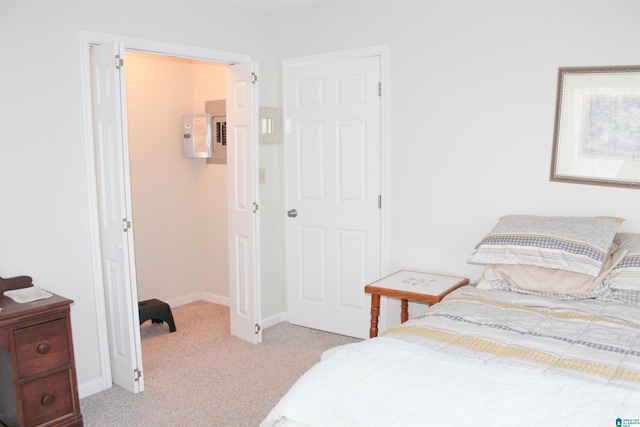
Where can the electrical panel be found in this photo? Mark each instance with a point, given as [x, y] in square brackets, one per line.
[218, 110]
[196, 137]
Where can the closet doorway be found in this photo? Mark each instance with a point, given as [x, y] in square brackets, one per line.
[108, 174]
[179, 204]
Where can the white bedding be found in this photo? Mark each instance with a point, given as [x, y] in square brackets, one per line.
[558, 364]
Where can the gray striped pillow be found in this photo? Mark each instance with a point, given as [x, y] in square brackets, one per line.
[578, 244]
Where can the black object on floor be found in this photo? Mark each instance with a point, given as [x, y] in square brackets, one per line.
[156, 310]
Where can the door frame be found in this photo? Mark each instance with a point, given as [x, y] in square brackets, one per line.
[86, 40]
[381, 51]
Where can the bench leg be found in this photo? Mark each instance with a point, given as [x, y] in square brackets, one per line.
[170, 322]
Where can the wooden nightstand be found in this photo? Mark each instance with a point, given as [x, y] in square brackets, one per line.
[410, 286]
[38, 385]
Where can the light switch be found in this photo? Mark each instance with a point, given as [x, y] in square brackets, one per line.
[262, 176]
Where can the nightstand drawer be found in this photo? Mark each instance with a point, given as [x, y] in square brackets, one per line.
[42, 347]
[47, 398]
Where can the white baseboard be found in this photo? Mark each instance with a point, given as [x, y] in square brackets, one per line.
[216, 299]
[198, 296]
[92, 387]
[274, 320]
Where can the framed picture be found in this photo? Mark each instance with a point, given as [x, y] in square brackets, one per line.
[597, 128]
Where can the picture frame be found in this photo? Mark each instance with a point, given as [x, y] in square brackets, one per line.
[597, 126]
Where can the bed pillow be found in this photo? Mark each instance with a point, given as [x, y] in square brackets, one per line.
[550, 280]
[596, 293]
[577, 244]
[626, 275]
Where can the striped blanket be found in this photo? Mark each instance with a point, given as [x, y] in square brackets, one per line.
[592, 339]
[480, 358]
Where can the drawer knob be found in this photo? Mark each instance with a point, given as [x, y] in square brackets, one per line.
[43, 348]
[47, 399]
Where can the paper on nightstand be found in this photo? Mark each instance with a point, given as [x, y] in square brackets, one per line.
[32, 293]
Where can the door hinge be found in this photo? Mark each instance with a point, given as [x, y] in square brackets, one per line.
[257, 328]
[255, 207]
[254, 78]
[379, 201]
[119, 62]
[137, 374]
[379, 88]
[126, 224]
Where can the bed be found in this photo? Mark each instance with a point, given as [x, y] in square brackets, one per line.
[549, 335]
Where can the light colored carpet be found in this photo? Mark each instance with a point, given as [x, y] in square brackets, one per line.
[200, 375]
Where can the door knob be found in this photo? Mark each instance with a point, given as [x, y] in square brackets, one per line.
[292, 213]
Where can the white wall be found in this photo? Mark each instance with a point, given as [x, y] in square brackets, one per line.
[472, 107]
[44, 196]
[473, 92]
[209, 83]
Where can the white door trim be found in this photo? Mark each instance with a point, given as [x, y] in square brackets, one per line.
[87, 39]
[381, 51]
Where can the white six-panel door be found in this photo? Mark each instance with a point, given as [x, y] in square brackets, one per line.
[244, 286]
[333, 184]
[112, 170]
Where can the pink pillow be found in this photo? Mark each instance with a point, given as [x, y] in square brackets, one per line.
[551, 280]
